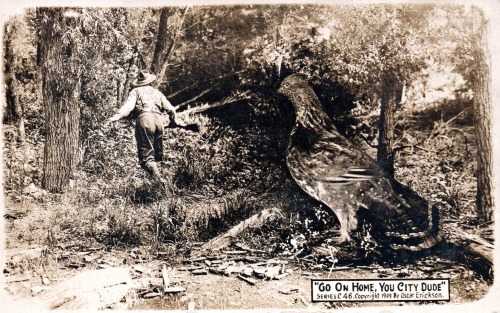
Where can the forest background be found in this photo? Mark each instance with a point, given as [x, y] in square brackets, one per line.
[423, 67]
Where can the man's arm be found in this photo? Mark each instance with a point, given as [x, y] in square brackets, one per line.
[126, 108]
[167, 106]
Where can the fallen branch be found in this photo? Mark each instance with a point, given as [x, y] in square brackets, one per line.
[477, 245]
[201, 94]
[222, 77]
[223, 102]
[224, 240]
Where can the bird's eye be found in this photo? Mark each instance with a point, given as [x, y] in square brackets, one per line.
[287, 84]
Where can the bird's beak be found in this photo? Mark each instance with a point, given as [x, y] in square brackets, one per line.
[280, 91]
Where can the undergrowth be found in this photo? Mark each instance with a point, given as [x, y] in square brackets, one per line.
[217, 177]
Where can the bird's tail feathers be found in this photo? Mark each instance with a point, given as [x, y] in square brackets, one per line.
[416, 241]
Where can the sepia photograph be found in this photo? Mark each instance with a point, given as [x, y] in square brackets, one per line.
[198, 156]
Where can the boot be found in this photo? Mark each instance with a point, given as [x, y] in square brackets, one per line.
[152, 169]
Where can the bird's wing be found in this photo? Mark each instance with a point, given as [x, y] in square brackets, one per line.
[336, 160]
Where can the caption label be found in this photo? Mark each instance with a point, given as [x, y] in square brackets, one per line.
[326, 290]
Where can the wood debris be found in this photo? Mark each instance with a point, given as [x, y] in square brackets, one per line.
[90, 258]
[200, 272]
[166, 276]
[289, 291]
[16, 279]
[235, 252]
[280, 276]
[174, 289]
[249, 280]
[151, 295]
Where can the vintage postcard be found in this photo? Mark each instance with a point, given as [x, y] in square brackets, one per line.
[302, 156]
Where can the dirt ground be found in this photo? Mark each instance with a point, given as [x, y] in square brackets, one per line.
[294, 291]
[219, 291]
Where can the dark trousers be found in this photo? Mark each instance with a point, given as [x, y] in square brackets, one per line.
[149, 137]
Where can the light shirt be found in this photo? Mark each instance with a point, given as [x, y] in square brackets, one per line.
[151, 99]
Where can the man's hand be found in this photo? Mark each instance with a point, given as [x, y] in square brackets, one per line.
[179, 120]
[109, 121]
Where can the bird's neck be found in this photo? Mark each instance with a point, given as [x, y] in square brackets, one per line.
[309, 112]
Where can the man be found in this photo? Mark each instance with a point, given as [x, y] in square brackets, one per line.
[146, 104]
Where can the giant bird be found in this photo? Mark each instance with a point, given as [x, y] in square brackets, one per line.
[331, 169]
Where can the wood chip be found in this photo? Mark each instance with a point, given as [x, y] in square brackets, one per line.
[139, 268]
[280, 276]
[276, 262]
[78, 265]
[84, 252]
[223, 266]
[200, 259]
[288, 291]
[217, 261]
[250, 259]
[247, 271]
[200, 272]
[166, 276]
[45, 280]
[217, 271]
[229, 270]
[340, 268]
[248, 280]
[236, 252]
[272, 272]
[90, 258]
[242, 246]
[37, 289]
[151, 295]
[174, 289]
[283, 268]
[190, 268]
[15, 279]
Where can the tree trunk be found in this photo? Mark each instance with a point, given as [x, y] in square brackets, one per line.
[14, 109]
[162, 69]
[482, 111]
[61, 97]
[162, 41]
[388, 99]
[126, 86]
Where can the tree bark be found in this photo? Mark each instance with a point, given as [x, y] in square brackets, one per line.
[61, 86]
[126, 86]
[10, 112]
[14, 109]
[482, 111]
[162, 41]
[162, 69]
[388, 99]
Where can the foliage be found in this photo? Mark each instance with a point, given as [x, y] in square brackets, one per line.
[235, 165]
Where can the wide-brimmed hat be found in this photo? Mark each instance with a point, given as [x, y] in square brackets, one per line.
[143, 78]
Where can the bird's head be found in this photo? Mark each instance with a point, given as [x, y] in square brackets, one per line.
[308, 109]
[291, 84]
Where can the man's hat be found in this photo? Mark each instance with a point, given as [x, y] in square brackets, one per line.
[143, 78]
